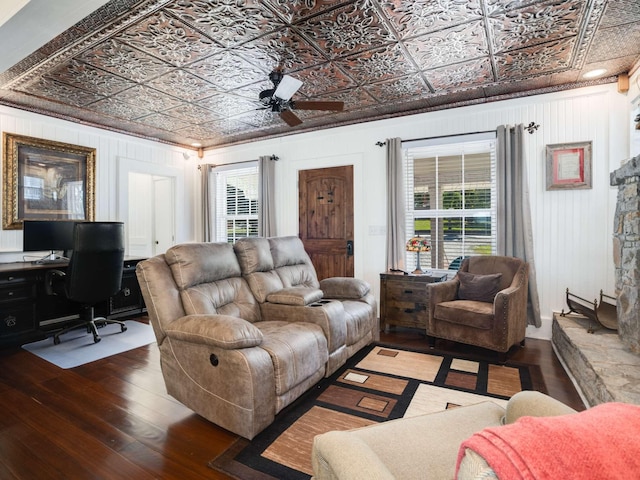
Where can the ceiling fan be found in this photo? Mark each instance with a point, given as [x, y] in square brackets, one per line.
[278, 99]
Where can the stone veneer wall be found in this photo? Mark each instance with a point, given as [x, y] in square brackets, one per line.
[626, 248]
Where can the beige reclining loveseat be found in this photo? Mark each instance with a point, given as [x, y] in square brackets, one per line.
[245, 329]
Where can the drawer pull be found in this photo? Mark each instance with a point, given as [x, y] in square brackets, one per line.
[408, 291]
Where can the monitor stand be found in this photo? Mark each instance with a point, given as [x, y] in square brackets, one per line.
[52, 258]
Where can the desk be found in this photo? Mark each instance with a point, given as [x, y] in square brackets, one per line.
[404, 299]
[27, 313]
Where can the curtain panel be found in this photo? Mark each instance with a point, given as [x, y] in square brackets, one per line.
[266, 194]
[515, 236]
[207, 207]
[396, 208]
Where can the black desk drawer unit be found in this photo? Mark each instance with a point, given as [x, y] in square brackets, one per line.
[17, 306]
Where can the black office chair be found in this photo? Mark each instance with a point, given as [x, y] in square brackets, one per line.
[94, 273]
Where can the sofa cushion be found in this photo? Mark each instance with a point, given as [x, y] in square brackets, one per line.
[297, 350]
[344, 287]
[254, 255]
[295, 296]
[466, 312]
[231, 296]
[481, 288]
[288, 251]
[195, 263]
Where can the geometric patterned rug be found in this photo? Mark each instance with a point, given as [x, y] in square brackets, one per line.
[379, 383]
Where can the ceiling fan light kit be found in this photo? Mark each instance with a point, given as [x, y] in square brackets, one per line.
[278, 99]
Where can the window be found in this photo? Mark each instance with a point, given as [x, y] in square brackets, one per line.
[236, 202]
[451, 198]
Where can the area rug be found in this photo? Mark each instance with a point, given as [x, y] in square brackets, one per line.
[378, 384]
[77, 348]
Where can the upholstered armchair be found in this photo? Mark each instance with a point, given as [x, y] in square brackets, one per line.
[485, 304]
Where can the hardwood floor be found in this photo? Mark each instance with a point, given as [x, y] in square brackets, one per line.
[112, 419]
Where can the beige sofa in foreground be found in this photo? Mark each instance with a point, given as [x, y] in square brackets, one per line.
[422, 447]
[245, 329]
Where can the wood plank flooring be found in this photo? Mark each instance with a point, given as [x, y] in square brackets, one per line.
[112, 419]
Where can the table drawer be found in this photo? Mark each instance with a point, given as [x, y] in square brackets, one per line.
[408, 292]
[16, 292]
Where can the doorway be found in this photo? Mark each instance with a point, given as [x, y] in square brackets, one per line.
[151, 222]
[326, 219]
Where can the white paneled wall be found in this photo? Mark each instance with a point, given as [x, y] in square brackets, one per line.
[572, 229]
[109, 148]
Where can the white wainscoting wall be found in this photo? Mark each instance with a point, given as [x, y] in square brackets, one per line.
[572, 229]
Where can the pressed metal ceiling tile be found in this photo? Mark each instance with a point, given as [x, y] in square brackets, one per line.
[284, 48]
[452, 45]
[399, 89]
[150, 98]
[47, 88]
[90, 78]
[229, 22]
[411, 19]
[322, 79]
[182, 84]
[546, 58]
[169, 39]
[227, 105]
[348, 29]
[119, 109]
[193, 114]
[165, 122]
[123, 60]
[294, 11]
[181, 71]
[461, 75]
[227, 71]
[382, 63]
[536, 24]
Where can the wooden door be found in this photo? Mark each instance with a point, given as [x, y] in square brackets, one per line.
[326, 219]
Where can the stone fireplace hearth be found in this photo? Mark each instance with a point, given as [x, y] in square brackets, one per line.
[605, 364]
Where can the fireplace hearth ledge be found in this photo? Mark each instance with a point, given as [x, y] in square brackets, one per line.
[603, 368]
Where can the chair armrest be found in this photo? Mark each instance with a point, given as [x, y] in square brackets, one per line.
[344, 288]
[340, 454]
[528, 403]
[299, 296]
[223, 331]
[443, 291]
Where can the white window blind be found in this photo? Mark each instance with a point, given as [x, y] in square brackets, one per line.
[236, 202]
[451, 199]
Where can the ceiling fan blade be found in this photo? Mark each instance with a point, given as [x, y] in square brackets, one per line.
[290, 117]
[287, 87]
[313, 105]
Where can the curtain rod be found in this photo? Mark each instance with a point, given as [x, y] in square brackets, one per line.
[532, 127]
[275, 158]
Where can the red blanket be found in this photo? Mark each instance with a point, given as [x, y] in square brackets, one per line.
[600, 443]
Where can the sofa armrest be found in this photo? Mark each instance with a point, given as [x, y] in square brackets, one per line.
[529, 403]
[221, 331]
[299, 296]
[344, 288]
[339, 454]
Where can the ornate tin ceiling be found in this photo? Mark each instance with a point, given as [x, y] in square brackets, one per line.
[187, 71]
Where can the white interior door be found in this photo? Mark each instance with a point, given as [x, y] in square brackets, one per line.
[151, 222]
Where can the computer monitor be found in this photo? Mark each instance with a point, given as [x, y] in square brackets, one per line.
[47, 235]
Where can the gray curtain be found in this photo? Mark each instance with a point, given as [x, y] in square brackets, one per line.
[205, 170]
[396, 207]
[515, 237]
[266, 193]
